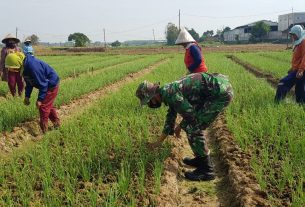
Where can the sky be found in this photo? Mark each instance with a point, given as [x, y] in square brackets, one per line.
[53, 20]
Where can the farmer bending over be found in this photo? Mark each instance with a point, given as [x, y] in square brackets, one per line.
[40, 75]
[198, 98]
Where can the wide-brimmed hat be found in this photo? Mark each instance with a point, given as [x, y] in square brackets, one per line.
[299, 32]
[8, 37]
[28, 40]
[146, 90]
[184, 37]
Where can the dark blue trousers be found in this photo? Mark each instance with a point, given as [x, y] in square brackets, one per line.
[287, 83]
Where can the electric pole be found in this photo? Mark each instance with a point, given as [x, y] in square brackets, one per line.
[16, 32]
[154, 35]
[179, 20]
[292, 16]
[104, 37]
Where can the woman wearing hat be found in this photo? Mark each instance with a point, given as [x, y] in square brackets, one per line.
[296, 73]
[10, 46]
[27, 47]
[14, 65]
[193, 58]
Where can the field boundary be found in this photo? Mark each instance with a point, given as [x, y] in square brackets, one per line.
[30, 131]
[237, 167]
[258, 73]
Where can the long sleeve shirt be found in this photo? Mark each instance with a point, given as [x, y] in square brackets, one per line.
[184, 96]
[298, 58]
[40, 75]
[193, 59]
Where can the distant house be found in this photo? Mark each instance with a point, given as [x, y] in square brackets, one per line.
[278, 31]
[243, 33]
[287, 20]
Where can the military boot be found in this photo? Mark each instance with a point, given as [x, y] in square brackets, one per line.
[195, 162]
[204, 171]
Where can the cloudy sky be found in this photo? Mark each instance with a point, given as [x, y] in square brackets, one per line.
[54, 20]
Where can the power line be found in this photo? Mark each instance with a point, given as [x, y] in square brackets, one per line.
[228, 17]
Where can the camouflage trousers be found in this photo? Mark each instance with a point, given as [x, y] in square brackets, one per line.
[205, 115]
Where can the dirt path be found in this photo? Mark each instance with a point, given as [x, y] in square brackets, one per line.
[177, 191]
[30, 131]
[235, 184]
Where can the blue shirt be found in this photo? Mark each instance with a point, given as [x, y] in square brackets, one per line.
[40, 75]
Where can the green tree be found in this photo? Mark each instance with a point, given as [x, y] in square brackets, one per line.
[194, 34]
[80, 39]
[226, 29]
[206, 34]
[34, 39]
[259, 31]
[116, 44]
[171, 33]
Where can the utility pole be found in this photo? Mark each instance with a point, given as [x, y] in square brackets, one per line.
[288, 29]
[16, 32]
[179, 20]
[292, 16]
[104, 37]
[154, 35]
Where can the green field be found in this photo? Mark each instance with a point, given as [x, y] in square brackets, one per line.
[100, 158]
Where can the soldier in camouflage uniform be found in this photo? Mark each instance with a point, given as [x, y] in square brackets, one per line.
[198, 98]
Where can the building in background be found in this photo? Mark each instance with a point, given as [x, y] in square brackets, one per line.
[243, 33]
[278, 30]
[286, 21]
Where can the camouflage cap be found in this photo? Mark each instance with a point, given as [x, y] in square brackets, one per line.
[146, 91]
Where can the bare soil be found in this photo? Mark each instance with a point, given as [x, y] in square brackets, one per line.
[235, 183]
[30, 131]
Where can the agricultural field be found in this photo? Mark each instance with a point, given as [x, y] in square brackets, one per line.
[99, 157]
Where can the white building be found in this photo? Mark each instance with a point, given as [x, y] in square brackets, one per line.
[287, 20]
[243, 33]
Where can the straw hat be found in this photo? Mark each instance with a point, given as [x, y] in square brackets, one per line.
[8, 37]
[28, 40]
[184, 37]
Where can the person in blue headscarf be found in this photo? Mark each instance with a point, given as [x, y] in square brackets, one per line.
[296, 73]
[27, 47]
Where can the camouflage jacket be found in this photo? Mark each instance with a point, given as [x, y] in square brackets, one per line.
[186, 95]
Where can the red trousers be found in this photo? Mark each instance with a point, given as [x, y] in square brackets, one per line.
[48, 111]
[14, 78]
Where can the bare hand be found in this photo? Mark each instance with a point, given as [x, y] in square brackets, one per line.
[300, 74]
[38, 104]
[26, 101]
[178, 131]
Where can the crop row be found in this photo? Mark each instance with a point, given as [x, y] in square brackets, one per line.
[75, 65]
[266, 64]
[97, 159]
[13, 111]
[274, 133]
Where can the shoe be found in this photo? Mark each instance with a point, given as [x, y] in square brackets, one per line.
[204, 171]
[195, 162]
